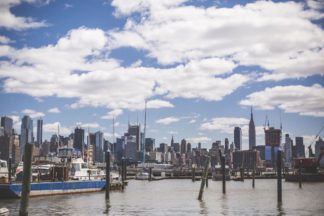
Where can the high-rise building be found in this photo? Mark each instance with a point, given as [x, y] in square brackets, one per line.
[149, 144]
[183, 147]
[251, 132]
[163, 147]
[272, 136]
[39, 132]
[7, 123]
[319, 145]
[176, 147]
[237, 138]
[300, 147]
[189, 147]
[99, 147]
[288, 151]
[226, 145]
[26, 135]
[78, 140]
[135, 130]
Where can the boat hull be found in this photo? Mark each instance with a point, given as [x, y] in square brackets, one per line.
[305, 177]
[51, 188]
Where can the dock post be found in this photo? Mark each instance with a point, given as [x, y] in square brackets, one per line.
[107, 174]
[28, 154]
[253, 176]
[150, 177]
[224, 173]
[207, 177]
[299, 174]
[242, 174]
[203, 179]
[279, 181]
[193, 170]
[10, 169]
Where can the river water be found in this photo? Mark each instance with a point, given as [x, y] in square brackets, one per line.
[179, 197]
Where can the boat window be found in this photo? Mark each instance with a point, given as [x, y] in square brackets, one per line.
[3, 164]
[84, 165]
[76, 167]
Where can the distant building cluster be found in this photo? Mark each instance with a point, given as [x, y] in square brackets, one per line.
[135, 147]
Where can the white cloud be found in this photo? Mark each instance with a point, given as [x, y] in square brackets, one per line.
[304, 100]
[192, 121]
[66, 6]
[33, 113]
[54, 110]
[167, 120]
[9, 20]
[4, 40]
[113, 114]
[53, 128]
[88, 125]
[156, 104]
[200, 139]
[224, 124]
[172, 32]
[16, 122]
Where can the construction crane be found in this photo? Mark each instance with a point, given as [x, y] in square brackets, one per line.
[310, 150]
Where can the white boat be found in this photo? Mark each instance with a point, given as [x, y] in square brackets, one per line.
[81, 171]
[142, 175]
[4, 173]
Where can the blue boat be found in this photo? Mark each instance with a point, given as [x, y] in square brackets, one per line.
[52, 188]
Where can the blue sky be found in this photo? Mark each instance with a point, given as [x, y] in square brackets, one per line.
[200, 65]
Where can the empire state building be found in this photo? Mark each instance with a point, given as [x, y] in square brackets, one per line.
[251, 132]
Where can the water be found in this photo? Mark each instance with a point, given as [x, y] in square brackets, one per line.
[179, 197]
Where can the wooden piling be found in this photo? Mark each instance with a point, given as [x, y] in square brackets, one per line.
[28, 154]
[107, 174]
[150, 172]
[279, 177]
[253, 177]
[299, 173]
[193, 174]
[207, 177]
[10, 169]
[203, 179]
[223, 173]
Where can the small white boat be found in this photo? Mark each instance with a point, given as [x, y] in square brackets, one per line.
[142, 175]
[81, 171]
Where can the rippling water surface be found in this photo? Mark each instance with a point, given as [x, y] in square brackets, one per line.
[179, 197]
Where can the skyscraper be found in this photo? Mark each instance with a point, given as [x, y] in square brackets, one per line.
[6, 123]
[78, 139]
[99, 147]
[226, 145]
[39, 132]
[251, 132]
[135, 130]
[300, 147]
[26, 135]
[238, 138]
[183, 146]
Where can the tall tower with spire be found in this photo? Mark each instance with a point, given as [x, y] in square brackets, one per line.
[251, 132]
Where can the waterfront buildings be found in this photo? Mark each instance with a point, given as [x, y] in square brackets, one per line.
[288, 151]
[246, 159]
[149, 144]
[135, 130]
[183, 146]
[99, 147]
[78, 139]
[237, 138]
[251, 132]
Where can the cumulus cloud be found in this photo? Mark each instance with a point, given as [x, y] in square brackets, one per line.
[167, 120]
[113, 114]
[9, 20]
[199, 139]
[32, 113]
[54, 127]
[304, 100]
[156, 104]
[173, 32]
[54, 110]
[4, 40]
[88, 125]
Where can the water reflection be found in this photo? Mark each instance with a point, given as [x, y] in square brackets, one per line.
[224, 205]
[280, 209]
[203, 208]
[107, 205]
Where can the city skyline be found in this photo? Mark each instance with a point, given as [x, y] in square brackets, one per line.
[199, 65]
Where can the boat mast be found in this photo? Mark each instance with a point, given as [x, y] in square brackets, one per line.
[144, 134]
[113, 139]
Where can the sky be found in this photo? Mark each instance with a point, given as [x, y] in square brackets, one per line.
[200, 66]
